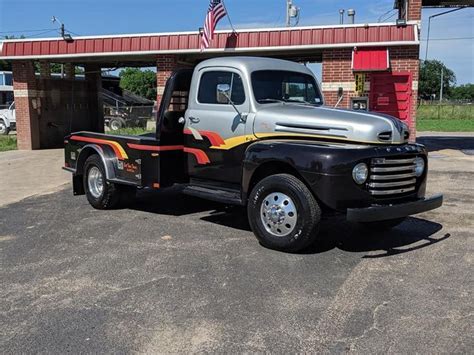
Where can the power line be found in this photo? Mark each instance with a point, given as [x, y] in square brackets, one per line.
[448, 39]
[26, 31]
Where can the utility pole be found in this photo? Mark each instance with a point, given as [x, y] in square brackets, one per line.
[289, 4]
[441, 86]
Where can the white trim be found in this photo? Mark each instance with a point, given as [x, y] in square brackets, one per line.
[414, 85]
[215, 50]
[334, 86]
[244, 30]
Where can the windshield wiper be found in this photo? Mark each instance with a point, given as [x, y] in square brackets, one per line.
[270, 100]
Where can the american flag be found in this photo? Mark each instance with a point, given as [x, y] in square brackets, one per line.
[214, 14]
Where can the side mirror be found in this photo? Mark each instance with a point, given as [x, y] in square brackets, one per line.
[223, 93]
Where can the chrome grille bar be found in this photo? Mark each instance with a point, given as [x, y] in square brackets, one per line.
[393, 184]
[384, 161]
[392, 168]
[391, 192]
[392, 177]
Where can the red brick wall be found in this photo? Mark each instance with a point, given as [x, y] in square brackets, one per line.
[25, 91]
[165, 64]
[336, 69]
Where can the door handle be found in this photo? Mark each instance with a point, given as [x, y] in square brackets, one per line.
[194, 119]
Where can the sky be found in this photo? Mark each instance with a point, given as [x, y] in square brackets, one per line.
[451, 37]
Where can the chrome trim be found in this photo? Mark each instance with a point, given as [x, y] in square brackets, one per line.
[393, 184]
[392, 177]
[392, 168]
[384, 161]
[391, 192]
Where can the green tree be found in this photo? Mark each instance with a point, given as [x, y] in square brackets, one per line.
[139, 82]
[463, 92]
[430, 78]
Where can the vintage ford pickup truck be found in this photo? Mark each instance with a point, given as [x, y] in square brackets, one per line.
[255, 132]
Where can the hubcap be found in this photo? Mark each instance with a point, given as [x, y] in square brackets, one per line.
[115, 125]
[95, 182]
[3, 128]
[278, 214]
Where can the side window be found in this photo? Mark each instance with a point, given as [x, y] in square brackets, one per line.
[208, 93]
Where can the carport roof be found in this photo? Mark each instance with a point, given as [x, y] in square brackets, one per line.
[271, 41]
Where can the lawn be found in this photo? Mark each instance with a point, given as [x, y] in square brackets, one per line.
[131, 131]
[449, 125]
[7, 143]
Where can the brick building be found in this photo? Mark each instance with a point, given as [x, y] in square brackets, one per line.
[372, 63]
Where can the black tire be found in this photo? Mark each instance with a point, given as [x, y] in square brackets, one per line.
[382, 225]
[111, 194]
[308, 213]
[4, 130]
[116, 123]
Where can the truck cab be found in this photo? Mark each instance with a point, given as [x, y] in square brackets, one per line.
[255, 132]
[8, 119]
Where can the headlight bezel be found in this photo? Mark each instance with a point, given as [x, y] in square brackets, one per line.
[360, 173]
[419, 163]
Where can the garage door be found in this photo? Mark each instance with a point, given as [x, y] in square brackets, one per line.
[390, 93]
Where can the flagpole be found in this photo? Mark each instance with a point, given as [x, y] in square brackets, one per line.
[228, 17]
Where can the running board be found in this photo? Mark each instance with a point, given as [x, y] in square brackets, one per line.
[213, 194]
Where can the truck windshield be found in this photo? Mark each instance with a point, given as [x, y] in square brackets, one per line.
[285, 86]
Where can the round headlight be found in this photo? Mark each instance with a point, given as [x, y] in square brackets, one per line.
[360, 173]
[419, 166]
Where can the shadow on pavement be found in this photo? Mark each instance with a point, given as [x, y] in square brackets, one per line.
[336, 232]
[434, 143]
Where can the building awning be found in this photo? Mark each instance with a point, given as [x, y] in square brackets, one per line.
[370, 59]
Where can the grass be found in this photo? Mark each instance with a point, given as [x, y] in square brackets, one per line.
[445, 112]
[131, 131]
[445, 118]
[7, 143]
[448, 125]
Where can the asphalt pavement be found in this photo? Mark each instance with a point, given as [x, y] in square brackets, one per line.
[178, 274]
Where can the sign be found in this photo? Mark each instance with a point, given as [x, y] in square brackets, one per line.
[360, 81]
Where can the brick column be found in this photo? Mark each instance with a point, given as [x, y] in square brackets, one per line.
[336, 73]
[414, 10]
[165, 65]
[93, 78]
[45, 69]
[27, 105]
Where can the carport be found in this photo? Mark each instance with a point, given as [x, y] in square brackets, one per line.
[49, 108]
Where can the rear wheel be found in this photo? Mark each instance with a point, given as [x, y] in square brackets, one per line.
[283, 213]
[100, 193]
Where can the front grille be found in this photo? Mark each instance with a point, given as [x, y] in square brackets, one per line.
[392, 176]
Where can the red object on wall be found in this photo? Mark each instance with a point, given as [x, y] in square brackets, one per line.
[370, 59]
[391, 93]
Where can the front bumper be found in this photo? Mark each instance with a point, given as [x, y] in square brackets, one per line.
[381, 213]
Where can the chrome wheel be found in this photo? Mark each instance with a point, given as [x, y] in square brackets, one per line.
[278, 214]
[95, 182]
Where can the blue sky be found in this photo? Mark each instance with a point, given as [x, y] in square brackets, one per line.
[90, 17]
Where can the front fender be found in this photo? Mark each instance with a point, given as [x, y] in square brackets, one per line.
[6, 120]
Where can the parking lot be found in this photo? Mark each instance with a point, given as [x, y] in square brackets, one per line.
[178, 274]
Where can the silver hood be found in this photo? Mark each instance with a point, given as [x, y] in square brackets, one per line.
[326, 122]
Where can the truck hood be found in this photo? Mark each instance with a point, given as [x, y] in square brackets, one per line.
[325, 122]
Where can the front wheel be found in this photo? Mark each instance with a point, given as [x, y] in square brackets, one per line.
[283, 213]
[4, 130]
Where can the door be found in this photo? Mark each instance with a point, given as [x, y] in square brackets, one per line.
[214, 128]
[390, 93]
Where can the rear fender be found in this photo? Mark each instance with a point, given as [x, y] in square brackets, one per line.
[106, 155]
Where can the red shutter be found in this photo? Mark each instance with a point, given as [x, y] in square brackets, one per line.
[370, 59]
